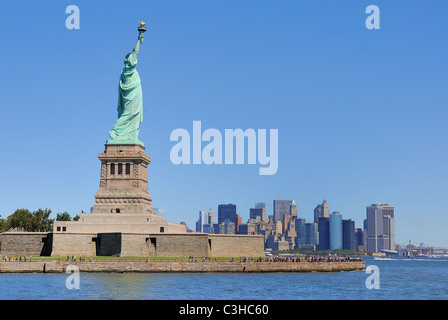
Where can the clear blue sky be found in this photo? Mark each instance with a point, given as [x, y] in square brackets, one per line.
[362, 114]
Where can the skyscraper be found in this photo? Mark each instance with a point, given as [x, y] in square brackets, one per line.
[335, 231]
[293, 208]
[348, 235]
[321, 211]
[308, 234]
[260, 205]
[281, 207]
[359, 239]
[227, 211]
[259, 213]
[380, 227]
[323, 225]
[205, 219]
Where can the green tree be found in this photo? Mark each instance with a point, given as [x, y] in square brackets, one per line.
[2, 225]
[25, 220]
[21, 219]
[65, 216]
[42, 221]
[76, 218]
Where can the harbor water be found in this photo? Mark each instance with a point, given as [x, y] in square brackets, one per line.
[396, 279]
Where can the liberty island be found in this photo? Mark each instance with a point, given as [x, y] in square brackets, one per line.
[122, 221]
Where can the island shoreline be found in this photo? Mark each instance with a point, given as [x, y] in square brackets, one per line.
[178, 267]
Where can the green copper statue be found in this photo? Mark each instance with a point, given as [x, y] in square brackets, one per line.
[130, 102]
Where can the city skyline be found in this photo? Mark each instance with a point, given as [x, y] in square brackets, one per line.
[285, 230]
[360, 113]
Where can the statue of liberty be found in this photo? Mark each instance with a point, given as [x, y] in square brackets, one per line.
[130, 102]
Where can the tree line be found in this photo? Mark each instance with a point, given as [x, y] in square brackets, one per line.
[33, 221]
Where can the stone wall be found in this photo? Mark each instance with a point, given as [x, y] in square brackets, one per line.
[123, 266]
[68, 244]
[167, 245]
[175, 245]
[131, 244]
[25, 243]
[236, 245]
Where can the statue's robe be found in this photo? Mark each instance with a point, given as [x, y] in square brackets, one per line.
[130, 104]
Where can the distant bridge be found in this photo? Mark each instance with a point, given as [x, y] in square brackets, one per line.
[431, 250]
[419, 250]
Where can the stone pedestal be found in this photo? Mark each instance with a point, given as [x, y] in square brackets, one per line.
[122, 203]
[124, 180]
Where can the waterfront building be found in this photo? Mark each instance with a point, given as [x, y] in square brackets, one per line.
[281, 245]
[348, 235]
[323, 225]
[298, 222]
[308, 235]
[380, 227]
[359, 239]
[270, 239]
[335, 231]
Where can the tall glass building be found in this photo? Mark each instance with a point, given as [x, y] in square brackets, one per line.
[227, 211]
[205, 219]
[281, 208]
[348, 235]
[308, 234]
[323, 225]
[335, 231]
[380, 227]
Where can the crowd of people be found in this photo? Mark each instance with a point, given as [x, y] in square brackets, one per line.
[16, 259]
[279, 258]
[306, 258]
[80, 259]
[298, 258]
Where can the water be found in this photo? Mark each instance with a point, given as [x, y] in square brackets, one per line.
[400, 279]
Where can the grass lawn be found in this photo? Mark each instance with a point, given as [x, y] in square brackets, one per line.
[111, 258]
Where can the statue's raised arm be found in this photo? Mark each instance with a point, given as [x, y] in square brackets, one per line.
[139, 41]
